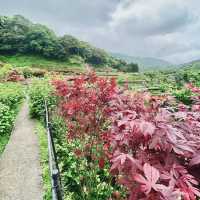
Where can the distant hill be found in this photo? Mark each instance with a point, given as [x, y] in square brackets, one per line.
[193, 64]
[145, 63]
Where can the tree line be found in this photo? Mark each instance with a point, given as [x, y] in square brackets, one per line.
[19, 35]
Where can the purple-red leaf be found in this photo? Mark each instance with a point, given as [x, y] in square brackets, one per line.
[147, 128]
[195, 160]
[149, 181]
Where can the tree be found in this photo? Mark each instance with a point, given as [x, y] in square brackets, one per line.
[41, 40]
[132, 67]
[70, 45]
[13, 33]
[97, 57]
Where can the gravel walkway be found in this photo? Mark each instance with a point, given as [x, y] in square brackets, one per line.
[20, 172]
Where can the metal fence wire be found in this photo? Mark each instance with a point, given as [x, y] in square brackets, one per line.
[57, 191]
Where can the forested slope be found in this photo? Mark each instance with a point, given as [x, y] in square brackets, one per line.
[18, 35]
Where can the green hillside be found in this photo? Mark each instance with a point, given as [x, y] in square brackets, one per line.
[74, 63]
[18, 35]
[192, 65]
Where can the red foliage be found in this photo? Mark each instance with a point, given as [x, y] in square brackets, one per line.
[101, 163]
[148, 140]
[14, 76]
[84, 103]
[195, 98]
[150, 146]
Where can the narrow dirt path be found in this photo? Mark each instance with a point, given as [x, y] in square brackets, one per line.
[20, 172]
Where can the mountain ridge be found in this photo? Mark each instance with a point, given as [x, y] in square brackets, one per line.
[195, 64]
[145, 63]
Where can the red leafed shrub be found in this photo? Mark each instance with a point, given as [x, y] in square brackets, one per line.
[193, 88]
[195, 98]
[84, 103]
[14, 76]
[152, 147]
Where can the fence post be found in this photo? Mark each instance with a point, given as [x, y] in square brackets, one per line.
[53, 165]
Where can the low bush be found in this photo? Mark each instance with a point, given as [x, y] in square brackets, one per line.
[4, 71]
[14, 76]
[29, 72]
[11, 94]
[6, 119]
[183, 95]
[39, 91]
[8, 73]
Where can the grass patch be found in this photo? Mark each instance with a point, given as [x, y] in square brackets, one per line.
[73, 63]
[44, 161]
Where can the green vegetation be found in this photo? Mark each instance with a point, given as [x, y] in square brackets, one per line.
[4, 71]
[3, 141]
[44, 161]
[36, 61]
[195, 65]
[6, 116]
[20, 36]
[184, 96]
[80, 180]
[11, 95]
[6, 123]
[38, 92]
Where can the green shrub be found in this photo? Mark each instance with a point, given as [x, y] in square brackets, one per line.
[40, 90]
[184, 96]
[4, 71]
[11, 94]
[6, 119]
[29, 72]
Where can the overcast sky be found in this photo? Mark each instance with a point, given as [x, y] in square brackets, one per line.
[167, 29]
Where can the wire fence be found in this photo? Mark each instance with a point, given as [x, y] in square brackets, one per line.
[57, 191]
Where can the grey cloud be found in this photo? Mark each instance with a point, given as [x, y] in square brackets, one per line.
[61, 13]
[146, 19]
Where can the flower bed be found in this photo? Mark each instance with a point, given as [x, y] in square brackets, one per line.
[149, 145]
